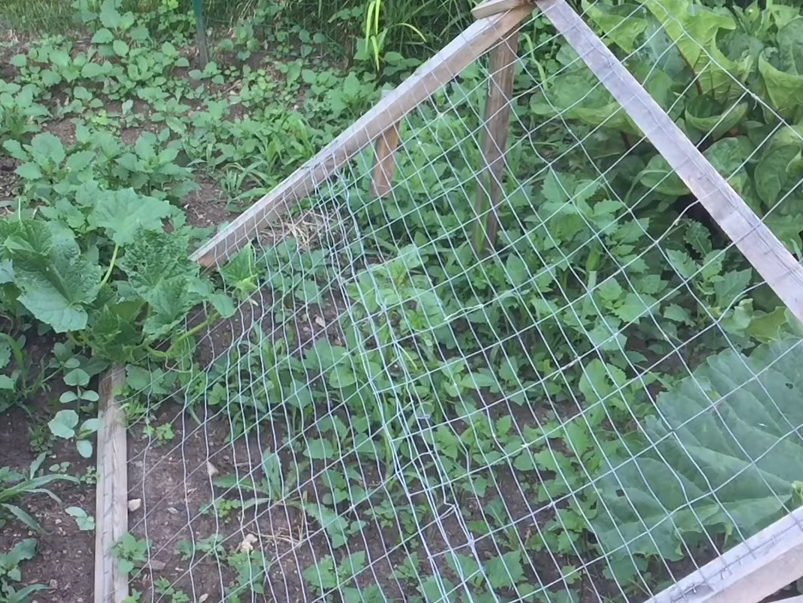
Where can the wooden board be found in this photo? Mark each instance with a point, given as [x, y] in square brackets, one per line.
[385, 161]
[429, 78]
[494, 7]
[751, 236]
[111, 500]
[496, 122]
[749, 572]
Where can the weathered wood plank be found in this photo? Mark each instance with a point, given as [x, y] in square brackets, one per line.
[490, 8]
[502, 69]
[751, 236]
[111, 502]
[749, 572]
[429, 78]
[385, 161]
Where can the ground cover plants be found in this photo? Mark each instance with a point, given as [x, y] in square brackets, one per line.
[367, 405]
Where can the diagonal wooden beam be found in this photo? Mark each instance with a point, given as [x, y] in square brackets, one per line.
[428, 79]
[751, 236]
[494, 7]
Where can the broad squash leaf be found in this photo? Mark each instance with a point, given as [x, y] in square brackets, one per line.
[721, 456]
[123, 213]
[55, 279]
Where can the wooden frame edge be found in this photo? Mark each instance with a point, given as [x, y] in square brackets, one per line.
[489, 8]
[111, 498]
[758, 567]
[428, 79]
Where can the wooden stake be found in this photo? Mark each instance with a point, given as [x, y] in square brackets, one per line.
[750, 235]
[428, 79]
[502, 69]
[111, 499]
[385, 163]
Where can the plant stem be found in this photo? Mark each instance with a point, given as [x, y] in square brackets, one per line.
[111, 265]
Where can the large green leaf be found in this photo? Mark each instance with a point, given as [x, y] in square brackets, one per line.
[728, 156]
[123, 213]
[721, 456]
[694, 30]
[623, 24]
[782, 71]
[55, 279]
[578, 94]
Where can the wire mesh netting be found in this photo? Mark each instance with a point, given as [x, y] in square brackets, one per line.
[589, 407]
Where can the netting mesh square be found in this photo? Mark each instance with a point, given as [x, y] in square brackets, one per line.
[587, 405]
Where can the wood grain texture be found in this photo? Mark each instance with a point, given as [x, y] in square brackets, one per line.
[385, 160]
[749, 572]
[496, 122]
[427, 79]
[111, 500]
[494, 7]
[758, 244]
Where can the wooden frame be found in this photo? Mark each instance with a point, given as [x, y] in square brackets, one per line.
[494, 7]
[111, 499]
[428, 79]
[496, 122]
[751, 236]
[747, 573]
[385, 163]
[750, 571]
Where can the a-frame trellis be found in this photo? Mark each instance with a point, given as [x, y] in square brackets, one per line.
[747, 573]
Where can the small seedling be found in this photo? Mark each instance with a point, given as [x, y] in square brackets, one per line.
[85, 523]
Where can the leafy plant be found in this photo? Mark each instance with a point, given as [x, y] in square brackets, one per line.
[10, 572]
[14, 485]
[717, 460]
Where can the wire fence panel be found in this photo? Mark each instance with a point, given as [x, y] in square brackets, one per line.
[599, 400]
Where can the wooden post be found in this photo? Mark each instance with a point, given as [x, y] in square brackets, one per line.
[111, 499]
[385, 161]
[501, 68]
[751, 236]
[428, 79]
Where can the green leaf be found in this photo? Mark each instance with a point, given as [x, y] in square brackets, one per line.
[712, 118]
[47, 146]
[55, 278]
[76, 377]
[319, 449]
[772, 172]
[120, 48]
[102, 36]
[63, 424]
[694, 31]
[223, 304]
[84, 448]
[782, 71]
[29, 171]
[240, 272]
[124, 213]
[719, 455]
[516, 270]
[732, 286]
[623, 24]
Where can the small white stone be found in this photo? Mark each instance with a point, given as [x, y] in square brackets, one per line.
[134, 504]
